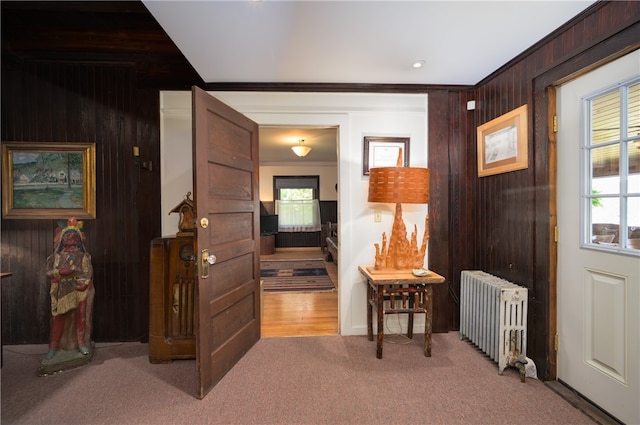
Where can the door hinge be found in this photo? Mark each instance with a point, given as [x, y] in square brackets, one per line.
[555, 123]
[555, 234]
[556, 342]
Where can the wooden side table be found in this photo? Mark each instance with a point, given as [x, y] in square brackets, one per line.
[405, 293]
[267, 244]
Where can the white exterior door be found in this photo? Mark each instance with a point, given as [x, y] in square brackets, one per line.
[598, 290]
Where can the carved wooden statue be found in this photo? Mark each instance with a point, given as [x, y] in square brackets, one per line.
[401, 253]
[71, 273]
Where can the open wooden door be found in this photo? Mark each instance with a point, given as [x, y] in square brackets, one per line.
[225, 169]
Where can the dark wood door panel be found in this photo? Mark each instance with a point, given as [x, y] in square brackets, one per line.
[225, 150]
[226, 182]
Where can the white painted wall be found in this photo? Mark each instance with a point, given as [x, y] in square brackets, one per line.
[356, 115]
[176, 171]
[328, 174]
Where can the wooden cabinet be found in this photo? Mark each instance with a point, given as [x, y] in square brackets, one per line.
[172, 299]
[267, 244]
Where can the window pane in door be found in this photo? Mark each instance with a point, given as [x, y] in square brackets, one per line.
[633, 183]
[633, 115]
[605, 163]
[605, 216]
[633, 213]
[611, 197]
[605, 118]
[633, 217]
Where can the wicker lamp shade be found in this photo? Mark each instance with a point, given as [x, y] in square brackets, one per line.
[405, 185]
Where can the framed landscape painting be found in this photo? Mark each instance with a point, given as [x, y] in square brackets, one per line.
[48, 180]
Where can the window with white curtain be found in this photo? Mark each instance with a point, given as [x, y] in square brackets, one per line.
[297, 203]
[298, 215]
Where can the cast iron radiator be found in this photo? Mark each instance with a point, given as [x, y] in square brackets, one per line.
[493, 316]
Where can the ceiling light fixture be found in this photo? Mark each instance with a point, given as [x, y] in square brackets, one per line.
[418, 64]
[300, 149]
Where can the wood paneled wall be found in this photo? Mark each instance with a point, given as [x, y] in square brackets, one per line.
[510, 225]
[109, 96]
[451, 157]
[73, 102]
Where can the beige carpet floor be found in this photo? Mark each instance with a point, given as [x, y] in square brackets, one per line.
[312, 380]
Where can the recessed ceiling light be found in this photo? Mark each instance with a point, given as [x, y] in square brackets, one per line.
[418, 64]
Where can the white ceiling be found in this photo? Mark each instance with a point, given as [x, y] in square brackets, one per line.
[364, 42]
[276, 143]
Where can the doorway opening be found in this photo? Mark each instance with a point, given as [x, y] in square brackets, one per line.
[300, 313]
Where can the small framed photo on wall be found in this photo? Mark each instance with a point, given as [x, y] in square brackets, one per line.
[384, 152]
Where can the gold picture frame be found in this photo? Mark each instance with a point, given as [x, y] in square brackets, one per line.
[383, 152]
[48, 180]
[502, 143]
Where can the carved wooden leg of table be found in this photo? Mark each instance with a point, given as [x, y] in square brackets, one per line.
[411, 307]
[379, 305]
[427, 320]
[369, 312]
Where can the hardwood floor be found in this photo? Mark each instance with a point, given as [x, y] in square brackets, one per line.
[300, 313]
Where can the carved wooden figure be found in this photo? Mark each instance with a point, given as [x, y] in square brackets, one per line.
[70, 272]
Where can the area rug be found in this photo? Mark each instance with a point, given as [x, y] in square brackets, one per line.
[295, 276]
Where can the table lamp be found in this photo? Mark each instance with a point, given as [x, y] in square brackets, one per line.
[409, 185]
